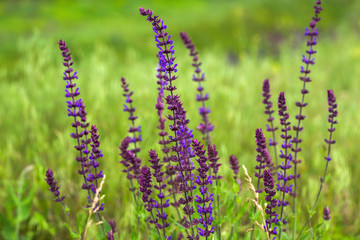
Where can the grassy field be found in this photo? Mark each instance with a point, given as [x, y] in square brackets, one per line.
[240, 43]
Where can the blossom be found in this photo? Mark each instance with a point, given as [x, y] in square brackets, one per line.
[53, 186]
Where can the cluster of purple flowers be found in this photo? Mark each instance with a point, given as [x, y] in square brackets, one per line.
[174, 173]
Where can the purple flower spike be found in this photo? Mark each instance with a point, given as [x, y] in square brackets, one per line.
[162, 204]
[205, 127]
[331, 119]
[96, 154]
[53, 186]
[128, 107]
[205, 199]
[308, 60]
[326, 214]
[130, 161]
[145, 188]
[181, 134]
[260, 158]
[283, 175]
[270, 193]
[234, 163]
[269, 112]
[213, 159]
[76, 110]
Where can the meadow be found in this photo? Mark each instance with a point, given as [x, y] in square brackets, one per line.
[240, 44]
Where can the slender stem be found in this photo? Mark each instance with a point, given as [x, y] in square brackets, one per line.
[232, 226]
[273, 133]
[308, 222]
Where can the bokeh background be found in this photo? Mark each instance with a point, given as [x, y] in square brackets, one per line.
[240, 42]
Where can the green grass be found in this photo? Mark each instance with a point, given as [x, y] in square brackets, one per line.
[35, 128]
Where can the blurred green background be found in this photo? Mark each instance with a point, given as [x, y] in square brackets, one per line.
[240, 42]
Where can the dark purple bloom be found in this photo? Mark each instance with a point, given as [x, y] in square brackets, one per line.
[213, 159]
[110, 235]
[128, 107]
[326, 214]
[268, 111]
[308, 60]
[53, 186]
[76, 110]
[130, 161]
[145, 188]
[234, 163]
[92, 177]
[162, 204]
[270, 193]
[205, 127]
[112, 224]
[204, 200]
[260, 158]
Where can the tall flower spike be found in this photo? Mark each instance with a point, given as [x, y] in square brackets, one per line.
[268, 111]
[128, 107]
[270, 193]
[308, 60]
[76, 110]
[204, 200]
[179, 127]
[260, 158]
[205, 127]
[53, 186]
[285, 155]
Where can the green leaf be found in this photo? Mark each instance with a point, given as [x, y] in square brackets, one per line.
[72, 233]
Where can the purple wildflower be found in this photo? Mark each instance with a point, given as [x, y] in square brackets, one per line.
[205, 200]
[283, 176]
[260, 158]
[110, 235]
[234, 163]
[270, 193]
[213, 159]
[76, 109]
[308, 60]
[145, 188]
[53, 186]
[128, 107]
[331, 119]
[326, 214]
[182, 134]
[205, 127]
[162, 205]
[96, 154]
[268, 111]
[130, 161]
